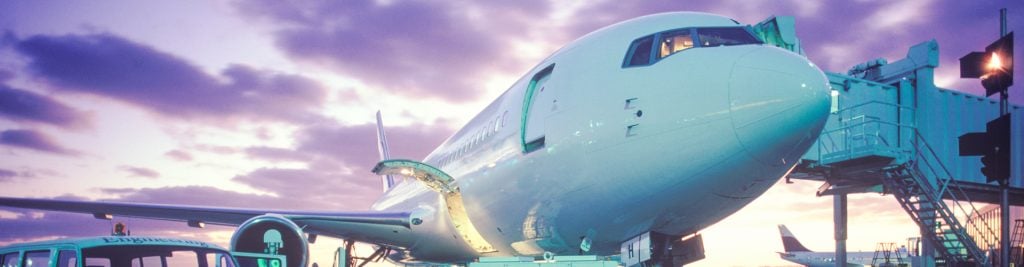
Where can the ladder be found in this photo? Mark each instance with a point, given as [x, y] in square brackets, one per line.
[923, 201]
[1017, 243]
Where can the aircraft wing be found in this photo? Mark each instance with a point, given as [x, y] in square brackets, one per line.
[372, 227]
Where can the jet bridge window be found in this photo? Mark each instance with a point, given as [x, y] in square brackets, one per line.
[675, 41]
[723, 36]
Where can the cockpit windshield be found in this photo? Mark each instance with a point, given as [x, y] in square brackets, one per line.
[672, 42]
[675, 41]
[710, 37]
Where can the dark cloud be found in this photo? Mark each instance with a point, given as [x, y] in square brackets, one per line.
[309, 188]
[416, 48]
[34, 140]
[340, 159]
[34, 224]
[6, 175]
[31, 224]
[24, 106]
[179, 155]
[356, 145]
[108, 65]
[5, 74]
[140, 172]
[196, 195]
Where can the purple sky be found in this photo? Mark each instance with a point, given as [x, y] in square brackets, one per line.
[269, 104]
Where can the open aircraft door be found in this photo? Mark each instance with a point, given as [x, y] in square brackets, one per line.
[539, 102]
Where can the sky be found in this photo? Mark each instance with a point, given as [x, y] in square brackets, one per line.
[270, 104]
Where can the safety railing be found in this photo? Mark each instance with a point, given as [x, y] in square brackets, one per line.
[929, 167]
[863, 130]
[876, 128]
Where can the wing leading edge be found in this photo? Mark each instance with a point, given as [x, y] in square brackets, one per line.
[385, 228]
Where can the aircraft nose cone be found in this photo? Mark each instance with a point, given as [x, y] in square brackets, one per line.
[778, 103]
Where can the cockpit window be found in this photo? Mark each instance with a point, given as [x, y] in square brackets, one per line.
[675, 41]
[710, 37]
[640, 52]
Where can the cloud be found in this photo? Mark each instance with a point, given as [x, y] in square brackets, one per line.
[111, 66]
[34, 140]
[179, 155]
[309, 188]
[414, 48]
[25, 106]
[6, 175]
[5, 74]
[360, 142]
[195, 195]
[339, 159]
[31, 224]
[276, 154]
[140, 172]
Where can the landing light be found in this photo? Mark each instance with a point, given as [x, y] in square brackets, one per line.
[406, 172]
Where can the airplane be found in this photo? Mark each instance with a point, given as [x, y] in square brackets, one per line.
[653, 127]
[797, 253]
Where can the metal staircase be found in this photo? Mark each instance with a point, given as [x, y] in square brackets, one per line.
[939, 207]
[1017, 243]
[867, 147]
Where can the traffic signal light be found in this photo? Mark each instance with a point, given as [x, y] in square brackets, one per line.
[993, 146]
[997, 163]
[994, 66]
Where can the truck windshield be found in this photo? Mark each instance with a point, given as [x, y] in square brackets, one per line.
[155, 256]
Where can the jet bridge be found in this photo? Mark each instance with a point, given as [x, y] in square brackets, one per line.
[892, 131]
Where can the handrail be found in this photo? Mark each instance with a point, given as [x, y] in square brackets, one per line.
[944, 184]
[920, 161]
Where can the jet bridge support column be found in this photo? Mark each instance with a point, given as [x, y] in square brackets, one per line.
[839, 216]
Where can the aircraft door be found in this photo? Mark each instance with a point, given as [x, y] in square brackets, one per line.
[539, 102]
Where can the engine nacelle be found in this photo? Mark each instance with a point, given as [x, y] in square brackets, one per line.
[272, 234]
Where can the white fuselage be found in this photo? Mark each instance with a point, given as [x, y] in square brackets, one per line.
[672, 147]
[827, 259]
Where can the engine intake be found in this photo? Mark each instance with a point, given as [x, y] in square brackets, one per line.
[272, 234]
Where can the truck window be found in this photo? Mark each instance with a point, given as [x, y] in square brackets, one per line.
[67, 258]
[37, 259]
[97, 262]
[153, 256]
[10, 259]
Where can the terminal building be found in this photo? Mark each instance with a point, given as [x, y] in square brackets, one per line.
[893, 131]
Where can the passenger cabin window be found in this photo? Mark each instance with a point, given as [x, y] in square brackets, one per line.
[672, 42]
[711, 37]
[640, 51]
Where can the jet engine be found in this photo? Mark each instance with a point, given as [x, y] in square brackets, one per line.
[272, 234]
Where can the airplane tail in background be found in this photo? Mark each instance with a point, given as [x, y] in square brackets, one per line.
[387, 181]
[789, 242]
